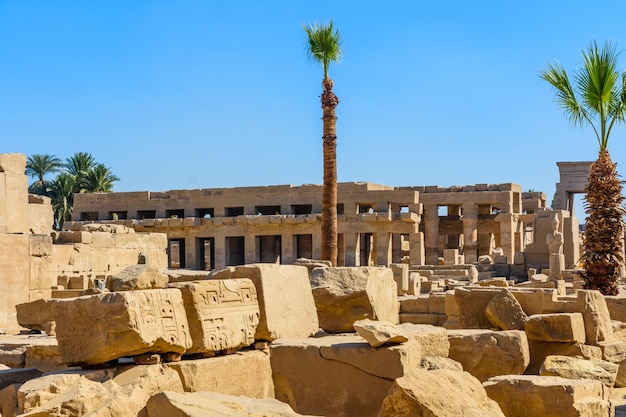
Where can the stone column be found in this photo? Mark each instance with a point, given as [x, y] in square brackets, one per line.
[288, 255]
[396, 248]
[352, 244]
[416, 250]
[190, 253]
[470, 233]
[431, 233]
[250, 249]
[507, 235]
[317, 245]
[383, 248]
[219, 252]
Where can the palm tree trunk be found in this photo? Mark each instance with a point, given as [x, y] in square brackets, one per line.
[329, 191]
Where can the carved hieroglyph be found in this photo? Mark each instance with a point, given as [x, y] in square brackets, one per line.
[99, 328]
[222, 314]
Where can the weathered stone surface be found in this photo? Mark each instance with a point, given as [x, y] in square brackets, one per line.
[17, 376]
[576, 368]
[558, 327]
[346, 294]
[222, 314]
[138, 277]
[285, 300]
[36, 315]
[13, 355]
[14, 267]
[401, 276]
[8, 401]
[472, 304]
[436, 362]
[38, 391]
[440, 392]
[505, 312]
[378, 333]
[486, 353]
[99, 328]
[352, 377]
[548, 396]
[613, 350]
[207, 404]
[248, 373]
[46, 358]
[595, 312]
[539, 350]
[432, 339]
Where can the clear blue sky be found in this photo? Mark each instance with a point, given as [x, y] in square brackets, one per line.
[202, 94]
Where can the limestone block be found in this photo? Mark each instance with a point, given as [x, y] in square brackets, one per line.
[8, 401]
[598, 326]
[38, 391]
[472, 304]
[433, 319]
[344, 295]
[99, 328]
[378, 333]
[285, 300]
[557, 327]
[17, 376]
[437, 362]
[13, 355]
[440, 392]
[505, 312]
[577, 368]
[352, 377]
[613, 350]
[540, 350]
[40, 245]
[437, 303]
[223, 314]
[36, 315]
[138, 277]
[537, 300]
[14, 264]
[401, 276]
[548, 396]
[414, 304]
[198, 404]
[432, 339]
[450, 256]
[486, 353]
[415, 283]
[617, 307]
[247, 373]
[46, 358]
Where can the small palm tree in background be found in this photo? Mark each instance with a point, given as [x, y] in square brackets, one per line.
[99, 179]
[598, 99]
[61, 191]
[324, 47]
[78, 166]
[38, 166]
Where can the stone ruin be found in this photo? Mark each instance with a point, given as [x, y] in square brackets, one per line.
[113, 332]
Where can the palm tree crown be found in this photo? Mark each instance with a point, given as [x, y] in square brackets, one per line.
[600, 95]
[38, 166]
[99, 179]
[324, 44]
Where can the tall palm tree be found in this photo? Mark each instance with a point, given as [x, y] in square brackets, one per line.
[61, 191]
[38, 166]
[99, 179]
[78, 165]
[324, 47]
[598, 99]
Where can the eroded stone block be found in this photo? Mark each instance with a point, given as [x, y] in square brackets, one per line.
[558, 327]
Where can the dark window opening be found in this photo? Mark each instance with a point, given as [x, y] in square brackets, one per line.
[302, 208]
[146, 214]
[267, 210]
[206, 253]
[365, 208]
[233, 211]
[89, 215]
[118, 215]
[175, 214]
[205, 213]
[235, 253]
[340, 208]
[176, 253]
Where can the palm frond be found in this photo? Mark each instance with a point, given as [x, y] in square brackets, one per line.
[323, 44]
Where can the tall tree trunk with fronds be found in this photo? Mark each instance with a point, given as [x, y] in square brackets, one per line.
[329, 192]
[603, 250]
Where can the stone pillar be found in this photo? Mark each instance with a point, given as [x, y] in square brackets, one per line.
[288, 255]
[416, 250]
[352, 252]
[191, 253]
[431, 233]
[250, 249]
[507, 235]
[383, 249]
[470, 233]
[219, 252]
[317, 245]
[396, 248]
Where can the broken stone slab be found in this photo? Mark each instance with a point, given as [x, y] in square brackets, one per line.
[223, 314]
[432, 339]
[437, 362]
[138, 277]
[311, 264]
[613, 350]
[351, 376]
[440, 392]
[378, 333]
[201, 404]
[36, 315]
[401, 276]
[248, 373]
[540, 350]
[472, 305]
[344, 295]
[577, 368]
[36, 392]
[8, 401]
[487, 353]
[285, 300]
[557, 327]
[505, 312]
[100, 328]
[592, 305]
[548, 396]
[46, 358]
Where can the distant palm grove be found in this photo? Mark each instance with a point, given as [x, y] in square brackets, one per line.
[80, 173]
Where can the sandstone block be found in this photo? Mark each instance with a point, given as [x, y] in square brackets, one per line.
[38, 391]
[378, 333]
[505, 312]
[197, 404]
[248, 373]
[138, 277]
[46, 358]
[285, 300]
[439, 392]
[548, 396]
[558, 327]
[576, 368]
[472, 304]
[401, 276]
[432, 339]
[593, 307]
[99, 328]
[17, 376]
[613, 350]
[36, 315]
[431, 363]
[540, 350]
[344, 295]
[222, 314]
[351, 376]
[415, 283]
[8, 401]
[486, 353]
